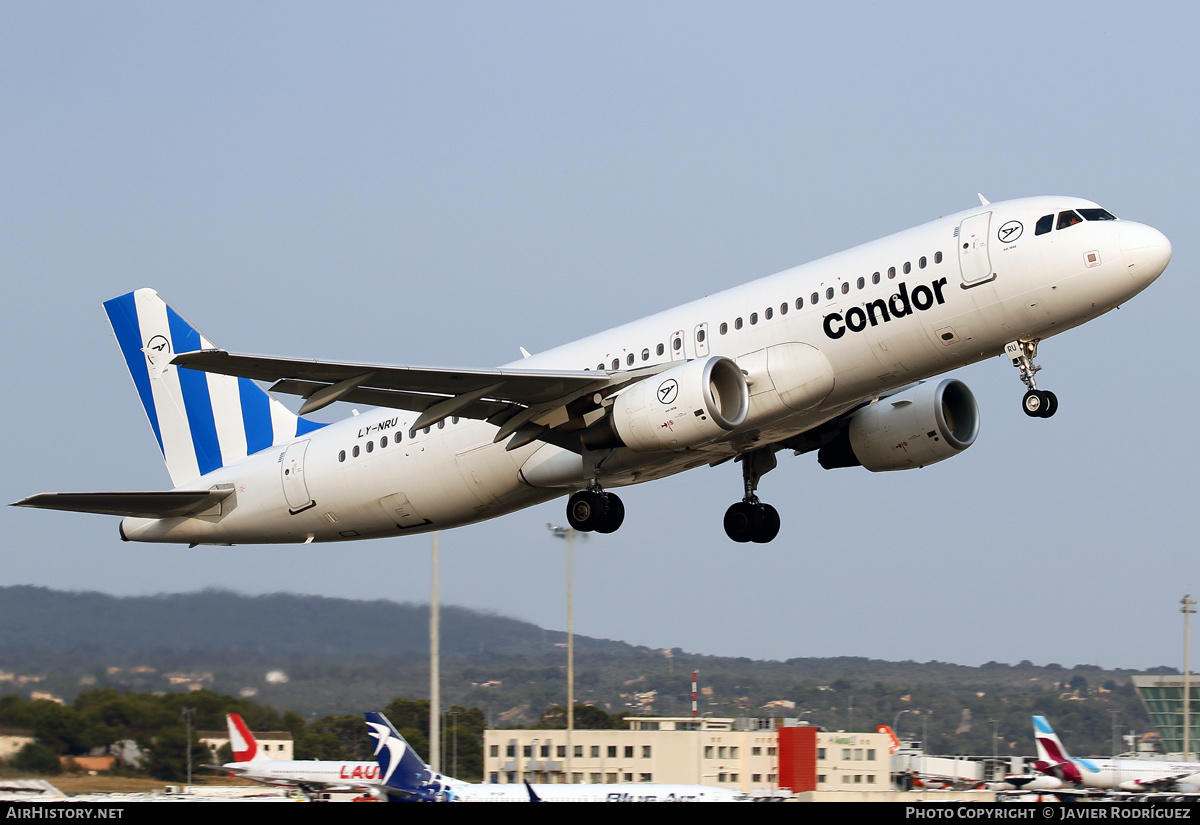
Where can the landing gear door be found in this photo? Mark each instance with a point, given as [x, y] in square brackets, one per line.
[295, 489]
[973, 258]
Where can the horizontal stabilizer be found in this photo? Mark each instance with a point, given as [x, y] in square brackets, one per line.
[155, 504]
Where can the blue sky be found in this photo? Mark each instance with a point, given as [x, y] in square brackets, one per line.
[443, 183]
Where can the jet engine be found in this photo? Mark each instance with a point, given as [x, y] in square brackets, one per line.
[922, 425]
[692, 404]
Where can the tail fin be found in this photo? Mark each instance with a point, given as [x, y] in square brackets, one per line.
[1050, 748]
[202, 421]
[401, 772]
[891, 735]
[1053, 759]
[241, 740]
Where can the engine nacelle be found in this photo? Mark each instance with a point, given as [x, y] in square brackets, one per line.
[686, 406]
[920, 426]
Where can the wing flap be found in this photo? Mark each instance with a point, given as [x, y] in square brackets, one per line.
[511, 399]
[528, 387]
[396, 399]
[154, 504]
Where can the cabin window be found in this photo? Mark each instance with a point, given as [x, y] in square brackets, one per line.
[677, 344]
[660, 349]
[799, 303]
[425, 430]
[891, 272]
[616, 363]
[355, 451]
[861, 282]
[442, 424]
[907, 267]
[454, 420]
[629, 359]
[768, 313]
[1068, 218]
[753, 317]
[921, 263]
[600, 367]
[846, 288]
[937, 257]
[737, 323]
[875, 278]
[645, 355]
[370, 446]
[724, 328]
[342, 455]
[700, 335]
[783, 308]
[816, 299]
[383, 442]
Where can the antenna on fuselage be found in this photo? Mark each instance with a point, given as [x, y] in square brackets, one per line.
[982, 200]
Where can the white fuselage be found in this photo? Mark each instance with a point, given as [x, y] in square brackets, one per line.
[308, 773]
[466, 792]
[1134, 774]
[963, 299]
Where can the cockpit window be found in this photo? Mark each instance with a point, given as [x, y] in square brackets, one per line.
[1097, 215]
[1068, 218]
[1045, 224]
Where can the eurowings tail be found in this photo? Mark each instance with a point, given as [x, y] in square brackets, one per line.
[242, 741]
[203, 421]
[402, 773]
[1053, 758]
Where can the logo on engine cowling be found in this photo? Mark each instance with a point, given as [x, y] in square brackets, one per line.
[667, 391]
[879, 311]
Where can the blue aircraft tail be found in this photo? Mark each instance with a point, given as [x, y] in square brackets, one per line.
[202, 421]
[403, 774]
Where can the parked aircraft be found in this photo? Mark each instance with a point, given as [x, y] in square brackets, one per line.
[1145, 775]
[405, 777]
[310, 776]
[831, 356]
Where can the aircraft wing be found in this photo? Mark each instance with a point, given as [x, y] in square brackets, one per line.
[527, 404]
[155, 504]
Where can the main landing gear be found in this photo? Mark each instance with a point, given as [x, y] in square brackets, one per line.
[594, 509]
[1036, 403]
[751, 519]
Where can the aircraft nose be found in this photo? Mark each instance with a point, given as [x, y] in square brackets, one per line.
[1147, 251]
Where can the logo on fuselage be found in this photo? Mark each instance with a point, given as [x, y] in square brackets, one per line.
[879, 311]
[1010, 232]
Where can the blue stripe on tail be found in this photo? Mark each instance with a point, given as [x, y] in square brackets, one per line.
[122, 314]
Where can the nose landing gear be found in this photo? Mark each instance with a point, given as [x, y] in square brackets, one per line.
[1036, 403]
[751, 520]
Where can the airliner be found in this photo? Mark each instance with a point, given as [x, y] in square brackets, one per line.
[405, 777]
[838, 357]
[310, 776]
[1145, 775]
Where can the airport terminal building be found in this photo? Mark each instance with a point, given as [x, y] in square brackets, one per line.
[750, 755]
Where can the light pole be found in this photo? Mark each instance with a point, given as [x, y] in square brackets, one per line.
[188, 713]
[1187, 608]
[454, 740]
[435, 665]
[568, 534]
